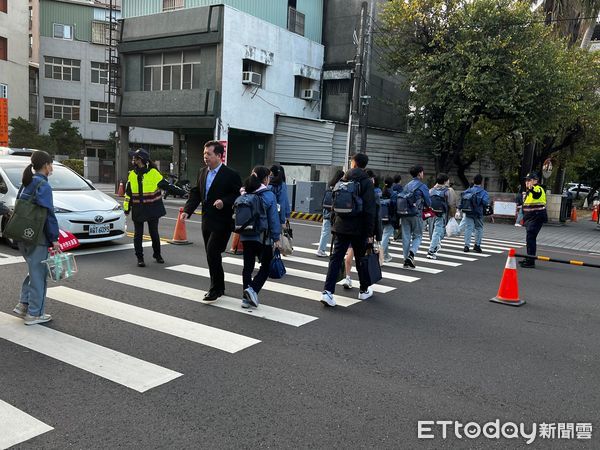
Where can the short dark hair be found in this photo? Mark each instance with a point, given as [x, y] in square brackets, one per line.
[442, 178]
[337, 176]
[397, 178]
[416, 170]
[388, 181]
[477, 179]
[217, 147]
[361, 159]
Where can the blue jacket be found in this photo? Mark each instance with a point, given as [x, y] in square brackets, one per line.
[281, 194]
[483, 200]
[273, 218]
[397, 188]
[421, 192]
[43, 199]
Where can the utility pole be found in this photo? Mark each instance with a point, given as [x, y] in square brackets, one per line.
[364, 97]
[354, 116]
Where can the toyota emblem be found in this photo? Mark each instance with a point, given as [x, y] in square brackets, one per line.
[98, 219]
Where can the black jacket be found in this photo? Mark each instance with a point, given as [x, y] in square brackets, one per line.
[363, 224]
[226, 187]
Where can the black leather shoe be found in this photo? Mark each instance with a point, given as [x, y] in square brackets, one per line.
[211, 296]
[141, 262]
[159, 259]
[477, 249]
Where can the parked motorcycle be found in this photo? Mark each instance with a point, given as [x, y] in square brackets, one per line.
[177, 187]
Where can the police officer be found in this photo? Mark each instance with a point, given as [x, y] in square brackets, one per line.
[534, 215]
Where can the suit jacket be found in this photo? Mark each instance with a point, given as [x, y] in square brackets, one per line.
[226, 187]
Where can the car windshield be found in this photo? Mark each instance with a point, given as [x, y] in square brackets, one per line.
[62, 179]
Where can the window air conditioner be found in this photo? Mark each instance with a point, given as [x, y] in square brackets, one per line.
[251, 78]
[310, 94]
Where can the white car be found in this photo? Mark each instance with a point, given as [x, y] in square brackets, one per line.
[91, 215]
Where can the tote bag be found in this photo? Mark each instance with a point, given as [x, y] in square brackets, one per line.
[27, 221]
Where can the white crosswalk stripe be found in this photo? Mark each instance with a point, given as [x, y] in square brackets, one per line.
[448, 247]
[440, 254]
[225, 302]
[123, 369]
[174, 326]
[316, 276]
[280, 288]
[17, 426]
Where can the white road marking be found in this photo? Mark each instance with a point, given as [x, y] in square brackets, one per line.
[11, 260]
[17, 426]
[123, 369]
[280, 288]
[440, 254]
[174, 326]
[233, 304]
[454, 248]
[310, 275]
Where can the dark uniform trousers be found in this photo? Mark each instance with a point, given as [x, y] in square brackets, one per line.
[533, 222]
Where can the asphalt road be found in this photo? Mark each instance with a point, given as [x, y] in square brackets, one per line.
[360, 376]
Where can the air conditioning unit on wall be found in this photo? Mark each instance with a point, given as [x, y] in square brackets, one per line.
[252, 78]
[310, 94]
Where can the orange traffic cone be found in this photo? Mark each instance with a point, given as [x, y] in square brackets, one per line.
[121, 191]
[508, 292]
[595, 214]
[573, 214]
[236, 245]
[179, 235]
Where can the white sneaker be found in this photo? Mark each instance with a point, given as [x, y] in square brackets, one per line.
[387, 260]
[321, 254]
[366, 294]
[518, 225]
[21, 309]
[251, 297]
[347, 283]
[327, 298]
[32, 320]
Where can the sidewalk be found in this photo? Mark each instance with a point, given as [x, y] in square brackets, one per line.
[582, 235]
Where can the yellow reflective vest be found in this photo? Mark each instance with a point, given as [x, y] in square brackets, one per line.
[535, 204]
[148, 193]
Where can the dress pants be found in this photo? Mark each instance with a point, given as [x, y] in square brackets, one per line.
[533, 224]
[215, 243]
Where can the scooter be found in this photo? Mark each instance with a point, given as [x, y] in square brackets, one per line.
[177, 188]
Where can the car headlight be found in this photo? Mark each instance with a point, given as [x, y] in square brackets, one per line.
[118, 208]
[61, 210]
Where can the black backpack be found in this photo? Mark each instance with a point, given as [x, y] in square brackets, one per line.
[439, 202]
[385, 209]
[328, 200]
[347, 201]
[468, 201]
[250, 214]
[406, 205]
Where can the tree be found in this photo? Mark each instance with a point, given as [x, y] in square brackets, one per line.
[24, 135]
[66, 137]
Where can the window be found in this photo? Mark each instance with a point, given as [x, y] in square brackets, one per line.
[172, 71]
[295, 21]
[300, 84]
[3, 90]
[61, 108]
[63, 31]
[99, 113]
[99, 72]
[30, 45]
[171, 5]
[4, 6]
[62, 68]
[337, 87]
[252, 66]
[30, 17]
[3, 48]
[100, 33]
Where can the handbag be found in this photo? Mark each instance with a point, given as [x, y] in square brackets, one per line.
[369, 269]
[277, 269]
[427, 213]
[26, 224]
[61, 266]
[287, 247]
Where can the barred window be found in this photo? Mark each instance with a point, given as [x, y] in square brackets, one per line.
[63, 31]
[62, 68]
[99, 72]
[61, 108]
[3, 90]
[171, 5]
[172, 71]
[99, 113]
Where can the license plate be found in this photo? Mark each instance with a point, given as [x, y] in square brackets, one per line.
[96, 230]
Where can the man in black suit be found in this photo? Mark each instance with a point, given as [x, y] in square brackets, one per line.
[217, 188]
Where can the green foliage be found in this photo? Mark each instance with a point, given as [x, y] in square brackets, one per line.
[24, 135]
[487, 77]
[75, 164]
[67, 139]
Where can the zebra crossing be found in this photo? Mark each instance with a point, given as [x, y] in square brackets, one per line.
[140, 375]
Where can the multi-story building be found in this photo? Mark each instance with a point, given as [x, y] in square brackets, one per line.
[73, 72]
[223, 69]
[14, 60]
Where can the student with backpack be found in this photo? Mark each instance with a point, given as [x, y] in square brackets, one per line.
[257, 221]
[443, 199]
[409, 207]
[353, 223]
[278, 186]
[472, 204]
[389, 197]
[327, 206]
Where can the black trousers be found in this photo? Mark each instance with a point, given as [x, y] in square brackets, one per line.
[215, 243]
[533, 224]
[341, 242]
[252, 249]
[139, 233]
